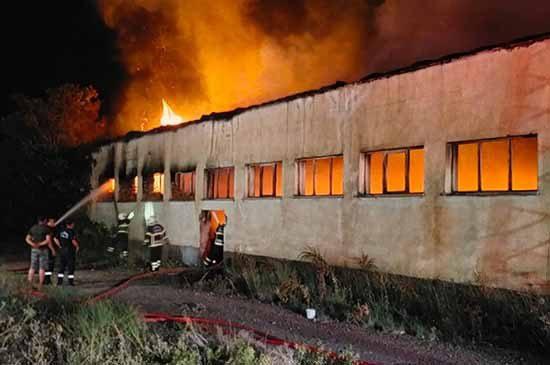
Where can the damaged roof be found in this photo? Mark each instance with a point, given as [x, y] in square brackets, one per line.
[517, 43]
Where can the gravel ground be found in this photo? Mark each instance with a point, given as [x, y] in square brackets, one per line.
[380, 348]
[282, 323]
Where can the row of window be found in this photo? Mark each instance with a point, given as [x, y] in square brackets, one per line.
[497, 165]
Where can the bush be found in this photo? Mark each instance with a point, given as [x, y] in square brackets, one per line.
[94, 238]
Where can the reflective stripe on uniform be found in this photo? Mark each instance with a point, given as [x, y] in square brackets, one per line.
[70, 276]
[60, 275]
[48, 273]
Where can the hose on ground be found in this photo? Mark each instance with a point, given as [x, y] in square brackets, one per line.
[226, 326]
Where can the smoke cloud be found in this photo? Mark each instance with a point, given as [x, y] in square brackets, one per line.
[205, 56]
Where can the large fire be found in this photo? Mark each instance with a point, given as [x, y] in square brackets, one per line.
[213, 56]
[168, 115]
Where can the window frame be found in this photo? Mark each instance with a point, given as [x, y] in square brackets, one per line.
[207, 176]
[250, 180]
[174, 184]
[148, 181]
[364, 172]
[300, 179]
[133, 188]
[452, 167]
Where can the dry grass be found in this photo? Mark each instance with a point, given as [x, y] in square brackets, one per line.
[108, 333]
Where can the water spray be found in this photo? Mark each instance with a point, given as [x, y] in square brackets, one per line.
[104, 188]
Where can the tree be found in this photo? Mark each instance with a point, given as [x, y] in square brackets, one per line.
[43, 172]
[65, 116]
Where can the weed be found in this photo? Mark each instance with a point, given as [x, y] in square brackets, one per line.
[366, 263]
[314, 256]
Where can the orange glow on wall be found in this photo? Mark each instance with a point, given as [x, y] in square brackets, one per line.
[467, 167]
[395, 172]
[416, 170]
[524, 164]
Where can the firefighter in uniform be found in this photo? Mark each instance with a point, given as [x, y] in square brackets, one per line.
[155, 238]
[215, 253]
[68, 247]
[120, 241]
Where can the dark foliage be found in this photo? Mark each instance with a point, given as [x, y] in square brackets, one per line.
[41, 174]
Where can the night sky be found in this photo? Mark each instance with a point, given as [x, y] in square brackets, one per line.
[47, 43]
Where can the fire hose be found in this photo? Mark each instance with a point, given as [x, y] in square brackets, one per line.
[226, 326]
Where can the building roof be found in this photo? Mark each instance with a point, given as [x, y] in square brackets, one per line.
[516, 43]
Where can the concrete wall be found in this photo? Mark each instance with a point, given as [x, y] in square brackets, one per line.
[496, 240]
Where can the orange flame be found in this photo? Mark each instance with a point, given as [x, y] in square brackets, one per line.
[168, 115]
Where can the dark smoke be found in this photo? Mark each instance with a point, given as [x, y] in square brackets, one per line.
[207, 56]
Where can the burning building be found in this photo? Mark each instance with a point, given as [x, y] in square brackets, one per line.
[438, 170]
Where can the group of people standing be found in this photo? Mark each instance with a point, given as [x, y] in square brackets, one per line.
[47, 242]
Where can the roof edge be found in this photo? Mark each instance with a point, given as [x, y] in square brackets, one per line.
[419, 65]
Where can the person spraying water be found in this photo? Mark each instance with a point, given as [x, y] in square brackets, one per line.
[104, 188]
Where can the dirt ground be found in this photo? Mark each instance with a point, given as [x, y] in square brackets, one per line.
[380, 348]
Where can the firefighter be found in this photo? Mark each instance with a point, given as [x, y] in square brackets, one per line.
[51, 251]
[215, 254]
[68, 247]
[120, 240]
[155, 238]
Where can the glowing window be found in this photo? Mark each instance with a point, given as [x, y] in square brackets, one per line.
[158, 183]
[497, 165]
[265, 180]
[393, 171]
[220, 183]
[183, 186]
[128, 188]
[153, 186]
[111, 185]
[107, 189]
[135, 183]
[321, 176]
